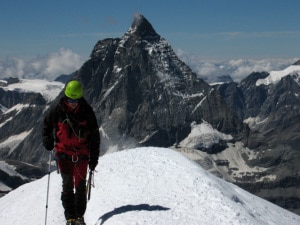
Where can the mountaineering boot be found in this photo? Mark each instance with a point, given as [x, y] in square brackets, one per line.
[80, 221]
[71, 222]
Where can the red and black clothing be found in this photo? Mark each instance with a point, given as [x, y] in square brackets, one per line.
[74, 135]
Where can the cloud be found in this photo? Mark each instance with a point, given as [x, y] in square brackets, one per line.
[47, 67]
[65, 61]
[264, 34]
[238, 69]
[241, 68]
[11, 67]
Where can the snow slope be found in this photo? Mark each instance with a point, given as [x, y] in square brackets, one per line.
[203, 135]
[276, 76]
[146, 186]
[49, 89]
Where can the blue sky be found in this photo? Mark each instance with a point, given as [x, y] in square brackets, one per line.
[210, 29]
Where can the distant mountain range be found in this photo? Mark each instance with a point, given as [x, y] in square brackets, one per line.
[246, 132]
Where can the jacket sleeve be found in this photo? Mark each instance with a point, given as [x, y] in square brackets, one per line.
[47, 133]
[94, 137]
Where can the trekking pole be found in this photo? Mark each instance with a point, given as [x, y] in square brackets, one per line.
[89, 185]
[49, 169]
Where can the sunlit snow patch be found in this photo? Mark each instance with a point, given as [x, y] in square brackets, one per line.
[203, 136]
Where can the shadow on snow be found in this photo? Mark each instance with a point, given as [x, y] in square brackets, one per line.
[128, 208]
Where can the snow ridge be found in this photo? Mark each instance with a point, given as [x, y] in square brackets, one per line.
[147, 186]
[276, 76]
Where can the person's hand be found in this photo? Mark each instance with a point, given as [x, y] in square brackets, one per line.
[92, 164]
[48, 143]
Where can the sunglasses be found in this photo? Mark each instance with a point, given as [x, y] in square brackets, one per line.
[72, 100]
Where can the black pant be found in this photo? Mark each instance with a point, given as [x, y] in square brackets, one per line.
[73, 177]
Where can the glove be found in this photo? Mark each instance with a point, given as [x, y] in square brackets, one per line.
[92, 164]
[48, 143]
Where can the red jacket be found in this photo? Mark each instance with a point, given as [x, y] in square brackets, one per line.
[76, 131]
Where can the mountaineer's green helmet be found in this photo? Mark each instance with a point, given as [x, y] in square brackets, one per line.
[73, 89]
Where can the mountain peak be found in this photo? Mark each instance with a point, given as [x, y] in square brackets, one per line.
[142, 27]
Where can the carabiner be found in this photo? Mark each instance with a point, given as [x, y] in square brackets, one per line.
[74, 160]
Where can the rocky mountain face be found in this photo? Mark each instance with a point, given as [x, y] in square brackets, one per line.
[272, 110]
[144, 95]
[20, 128]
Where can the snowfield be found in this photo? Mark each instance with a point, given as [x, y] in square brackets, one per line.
[276, 76]
[48, 89]
[146, 186]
